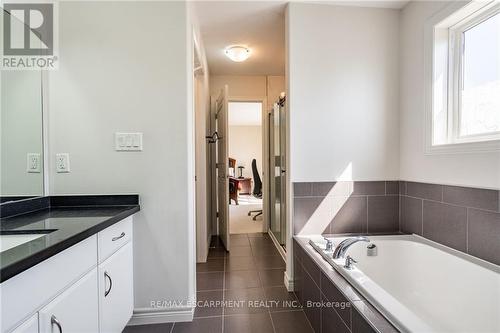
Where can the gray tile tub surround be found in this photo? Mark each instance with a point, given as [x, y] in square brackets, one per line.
[464, 218]
[341, 308]
[365, 206]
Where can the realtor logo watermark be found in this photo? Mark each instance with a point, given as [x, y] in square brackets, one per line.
[29, 36]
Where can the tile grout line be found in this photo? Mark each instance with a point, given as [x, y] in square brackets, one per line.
[224, 291]
[467, 230]
[367, 214]
[451, 204]
[302, 305]
[400, 212]
[265, 296]
[321, 298]
[349, 196]
[422, 220]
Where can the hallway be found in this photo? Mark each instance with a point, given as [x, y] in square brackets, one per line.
[250, 281]
[239, 220]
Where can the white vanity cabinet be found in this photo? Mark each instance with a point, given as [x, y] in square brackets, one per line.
[116, 297]
[28, 326]
[74, 310]
[85, 288]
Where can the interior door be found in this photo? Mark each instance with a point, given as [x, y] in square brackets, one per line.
[277, 170]
[221, 115]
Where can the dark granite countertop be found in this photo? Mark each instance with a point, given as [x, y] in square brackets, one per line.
[62, 223]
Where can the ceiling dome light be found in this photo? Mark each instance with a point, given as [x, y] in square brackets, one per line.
[237, 53]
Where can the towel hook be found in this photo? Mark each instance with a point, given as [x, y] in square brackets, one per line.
[213, 138]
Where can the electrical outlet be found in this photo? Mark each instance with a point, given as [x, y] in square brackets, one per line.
[62, 163]
[33, 163]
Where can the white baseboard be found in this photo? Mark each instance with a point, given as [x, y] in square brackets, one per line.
[146, 316]
[289, 284]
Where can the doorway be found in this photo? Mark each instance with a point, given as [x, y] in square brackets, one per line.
[245, 167]
[239, 167]
[251, 167]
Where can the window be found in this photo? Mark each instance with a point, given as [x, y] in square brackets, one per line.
[465, 106]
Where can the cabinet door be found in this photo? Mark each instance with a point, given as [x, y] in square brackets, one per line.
[75, 310]
[116, 294]
[28, 326]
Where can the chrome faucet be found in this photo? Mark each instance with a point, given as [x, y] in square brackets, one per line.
[341, 249]
[329, 244]
[349, 262]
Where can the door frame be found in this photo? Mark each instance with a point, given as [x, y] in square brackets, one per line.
[265, 152]
[222, 164]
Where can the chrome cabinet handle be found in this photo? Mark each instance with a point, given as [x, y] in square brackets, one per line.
[53, 320]
[106, 292]
[118, 237]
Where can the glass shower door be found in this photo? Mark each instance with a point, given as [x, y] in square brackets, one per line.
[277, 146]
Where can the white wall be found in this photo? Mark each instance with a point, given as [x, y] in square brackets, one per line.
[253, 86]
[202, 129]
[127, 66]
[474, 169]
[343, 92]
[245, 144]
[203, 227]
[249, 86]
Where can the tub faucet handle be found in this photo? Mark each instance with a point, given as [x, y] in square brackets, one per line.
[329, 244]
[349, 261]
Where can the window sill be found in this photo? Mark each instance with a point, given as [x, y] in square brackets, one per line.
[464, 147]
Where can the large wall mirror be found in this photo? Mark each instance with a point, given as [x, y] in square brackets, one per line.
[21, 126]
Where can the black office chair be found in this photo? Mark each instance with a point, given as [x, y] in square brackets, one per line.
[257, 189]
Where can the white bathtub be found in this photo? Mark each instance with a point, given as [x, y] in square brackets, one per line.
[422, 286]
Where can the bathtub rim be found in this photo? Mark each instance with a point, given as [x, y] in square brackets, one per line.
[358, 302]
[422, 240]
[305, 242]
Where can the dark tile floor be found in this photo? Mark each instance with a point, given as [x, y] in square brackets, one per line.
[248, 283]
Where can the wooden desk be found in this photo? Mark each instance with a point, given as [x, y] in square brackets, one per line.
[242, 186]
[245, 185]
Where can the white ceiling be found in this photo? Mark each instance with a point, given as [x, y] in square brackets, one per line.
[260, 25]
[245, 114]
[394, 4]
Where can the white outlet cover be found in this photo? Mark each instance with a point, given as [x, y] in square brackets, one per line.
[62, 163]
[33, 163]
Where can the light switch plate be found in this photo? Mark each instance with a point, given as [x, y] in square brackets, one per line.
[33, 163]
[128, 141]
[62, 163]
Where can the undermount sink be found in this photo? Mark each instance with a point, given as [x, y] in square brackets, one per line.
[9, 241]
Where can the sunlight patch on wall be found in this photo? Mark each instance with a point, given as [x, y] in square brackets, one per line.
[331, 204]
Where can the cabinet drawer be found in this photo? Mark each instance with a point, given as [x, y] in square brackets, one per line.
[112, 238]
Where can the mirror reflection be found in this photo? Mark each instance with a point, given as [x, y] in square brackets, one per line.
[21, 143]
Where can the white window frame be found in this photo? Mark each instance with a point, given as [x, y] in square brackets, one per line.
[444, 40]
